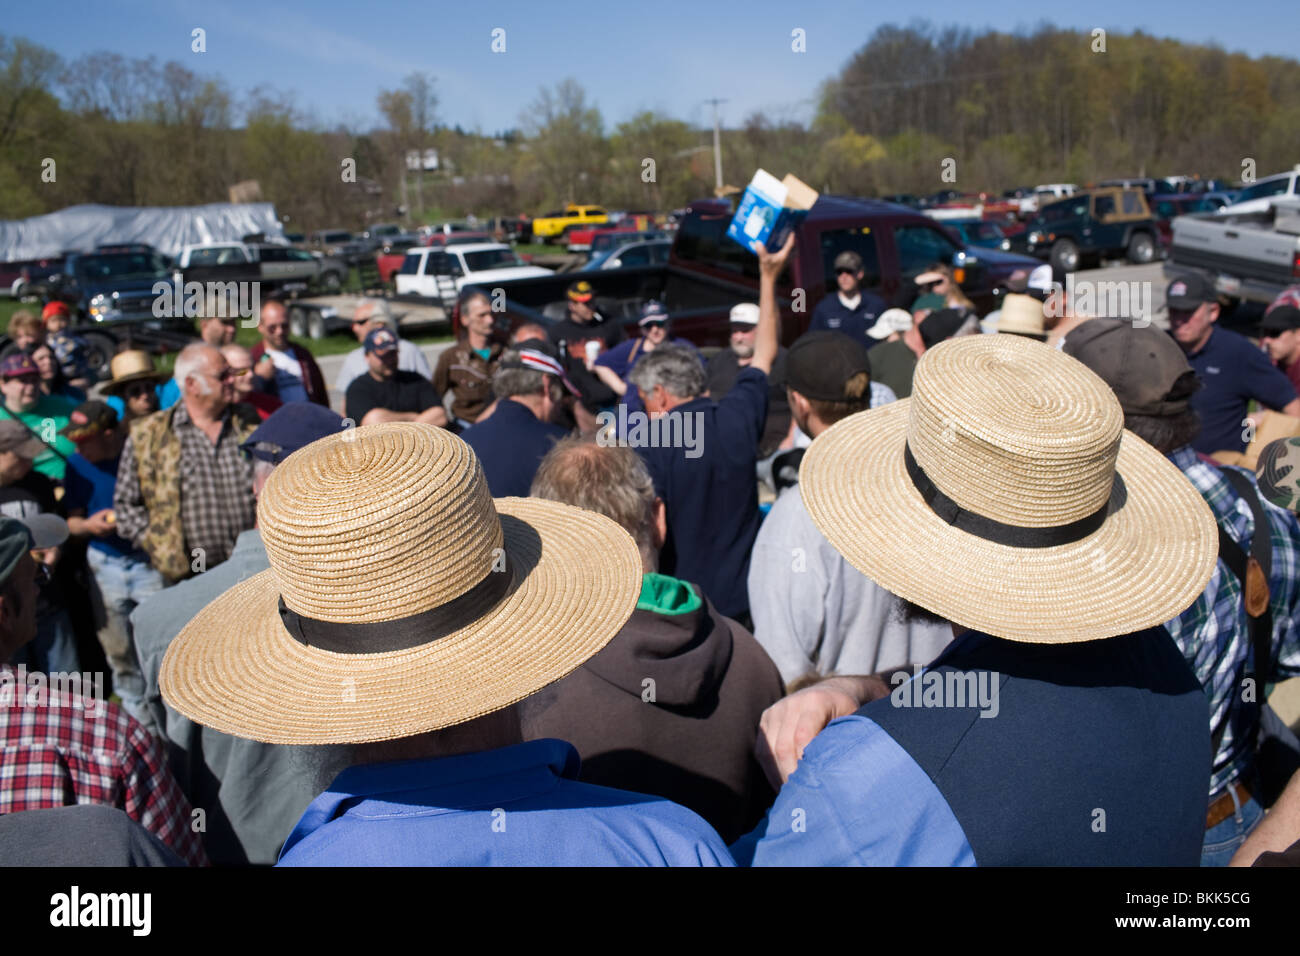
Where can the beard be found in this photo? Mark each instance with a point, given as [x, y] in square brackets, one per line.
[743, 350]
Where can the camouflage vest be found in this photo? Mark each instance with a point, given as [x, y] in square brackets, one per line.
[158, 465]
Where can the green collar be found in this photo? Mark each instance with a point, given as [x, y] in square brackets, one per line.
[664, 595]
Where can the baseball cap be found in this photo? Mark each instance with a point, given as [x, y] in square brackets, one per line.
[1186, 293]
[1144, 367]
[1040, 280]
[890, 321]
[745, 313]
[15, 437]
[15, 541]
[89, 419]
[937, 326]
[581, 291]
[1278, 471]
[19, 363]
[55, 308]
[819, 365]
[290, 427]
[537, 355]
[380, 340]
[848, 259]
[1281, 319]
[653, 311]
[47, 530]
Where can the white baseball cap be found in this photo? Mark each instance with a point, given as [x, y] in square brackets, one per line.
[746, 313]
[890, 321]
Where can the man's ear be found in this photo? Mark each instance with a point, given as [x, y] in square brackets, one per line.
[658, 523]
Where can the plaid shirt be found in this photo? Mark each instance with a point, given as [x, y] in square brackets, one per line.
[217, 502]
[57, 751]
[1214, 633]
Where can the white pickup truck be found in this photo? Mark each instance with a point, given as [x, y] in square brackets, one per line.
[1250, 256]
[440, 272]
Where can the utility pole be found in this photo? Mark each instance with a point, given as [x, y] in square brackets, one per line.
[717, 146]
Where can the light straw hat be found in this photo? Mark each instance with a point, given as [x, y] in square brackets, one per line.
[131, 365]
[1021, 315]
[1047, 522]
[400, 599]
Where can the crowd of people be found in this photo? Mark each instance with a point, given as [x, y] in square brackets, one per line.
[921, 588]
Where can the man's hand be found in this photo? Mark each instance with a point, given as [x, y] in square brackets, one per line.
[770, 264]
[787, 727]
[265, 368]
[101, 523]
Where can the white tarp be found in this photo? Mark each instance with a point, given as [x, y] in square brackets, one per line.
[166, 228]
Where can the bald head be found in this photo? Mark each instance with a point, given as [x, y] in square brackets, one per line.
[274, 326]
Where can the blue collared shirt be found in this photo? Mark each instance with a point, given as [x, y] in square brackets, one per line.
[513, 806]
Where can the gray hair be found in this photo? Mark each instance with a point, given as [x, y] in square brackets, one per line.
[378, 312]
[191, 363]
[676, 368]
[610, 480]
[516, 381]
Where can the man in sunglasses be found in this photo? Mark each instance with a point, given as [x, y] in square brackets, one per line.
[371, 314]
[184, 491]
[726, 365]
[1231, 369]
[850, 310]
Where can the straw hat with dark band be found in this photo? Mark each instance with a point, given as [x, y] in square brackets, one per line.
[401, 598]
[1006, 496]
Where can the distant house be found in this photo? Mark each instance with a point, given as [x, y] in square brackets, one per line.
[430, 163]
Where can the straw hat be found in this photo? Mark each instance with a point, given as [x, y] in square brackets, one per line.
[400, 598]
[131, 366]
[1061, 526]
[1021, 315]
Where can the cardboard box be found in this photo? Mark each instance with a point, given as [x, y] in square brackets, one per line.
[770, 209]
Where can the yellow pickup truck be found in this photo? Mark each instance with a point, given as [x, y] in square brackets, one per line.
[553, 224]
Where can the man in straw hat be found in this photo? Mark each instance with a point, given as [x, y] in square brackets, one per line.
[1062, 725]
[406, 613]
[253, 792]
[1154, 384]
[135, 389]
[1019, 315]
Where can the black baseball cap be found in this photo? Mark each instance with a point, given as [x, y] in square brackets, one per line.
[820, 364]
[1145, 368]
[937, 326]
[89, 419]
[1186, 293]
[1281, 319]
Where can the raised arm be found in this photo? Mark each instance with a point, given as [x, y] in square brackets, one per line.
[767, 335]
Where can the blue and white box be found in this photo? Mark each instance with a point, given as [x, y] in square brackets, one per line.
[770, 209]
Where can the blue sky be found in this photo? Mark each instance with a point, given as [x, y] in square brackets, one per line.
[335, 55]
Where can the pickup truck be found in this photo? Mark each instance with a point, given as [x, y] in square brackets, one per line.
[707, 273]
[273, 265]
[1248, 256]
[1092, 225]
[556, 225]
[440, 273]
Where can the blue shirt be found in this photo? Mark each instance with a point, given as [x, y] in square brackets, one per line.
[88, 486]
[620, 360]
[833, 314]
[167, 394]
[510, 444]
[1093, 753]
[706, 480]
[514, 806]
[1232, 373]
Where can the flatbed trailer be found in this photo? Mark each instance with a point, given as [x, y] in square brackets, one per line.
[318, 316]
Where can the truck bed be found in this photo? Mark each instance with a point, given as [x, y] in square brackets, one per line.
[1251, 256]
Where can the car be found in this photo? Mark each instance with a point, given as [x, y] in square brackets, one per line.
[436, 272]
[650, 252]
[1144, 183]
[1256, 196]
[273, 265]
[556, 225]
[1046, 193]
[1093, 225]
[980, 233]
[340, 244]
[1168, 206]
[28, 277]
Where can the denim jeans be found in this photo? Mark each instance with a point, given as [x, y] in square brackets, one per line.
[122, 583]
[1226, 837]
[55, 648]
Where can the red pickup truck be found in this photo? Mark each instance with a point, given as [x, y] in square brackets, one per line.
[707, 273]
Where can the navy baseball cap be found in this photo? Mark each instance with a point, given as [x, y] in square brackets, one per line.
[379, 340]
[653, 312]
[1186, 293]
[290, 427]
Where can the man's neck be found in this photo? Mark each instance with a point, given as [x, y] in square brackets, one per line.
[850, 299]
[478, 340]
[531, 402]
[1203, 341]
[203, 418]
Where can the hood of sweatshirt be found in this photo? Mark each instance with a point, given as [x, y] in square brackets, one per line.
[674, 638]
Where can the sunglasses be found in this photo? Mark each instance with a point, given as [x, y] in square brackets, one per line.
[138, 389]
[654, 325]
[742, 327]
[846, 272]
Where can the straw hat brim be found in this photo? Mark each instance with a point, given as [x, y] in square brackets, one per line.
[112, 386]
[1144, 566]
[235, 668]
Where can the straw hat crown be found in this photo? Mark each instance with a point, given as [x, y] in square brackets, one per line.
[378, 524]
[1027, 457]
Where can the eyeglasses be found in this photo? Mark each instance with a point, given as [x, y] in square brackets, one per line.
[846, 272]
[137, 389]
[742, 327]
[654, 325]
[239, 372]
